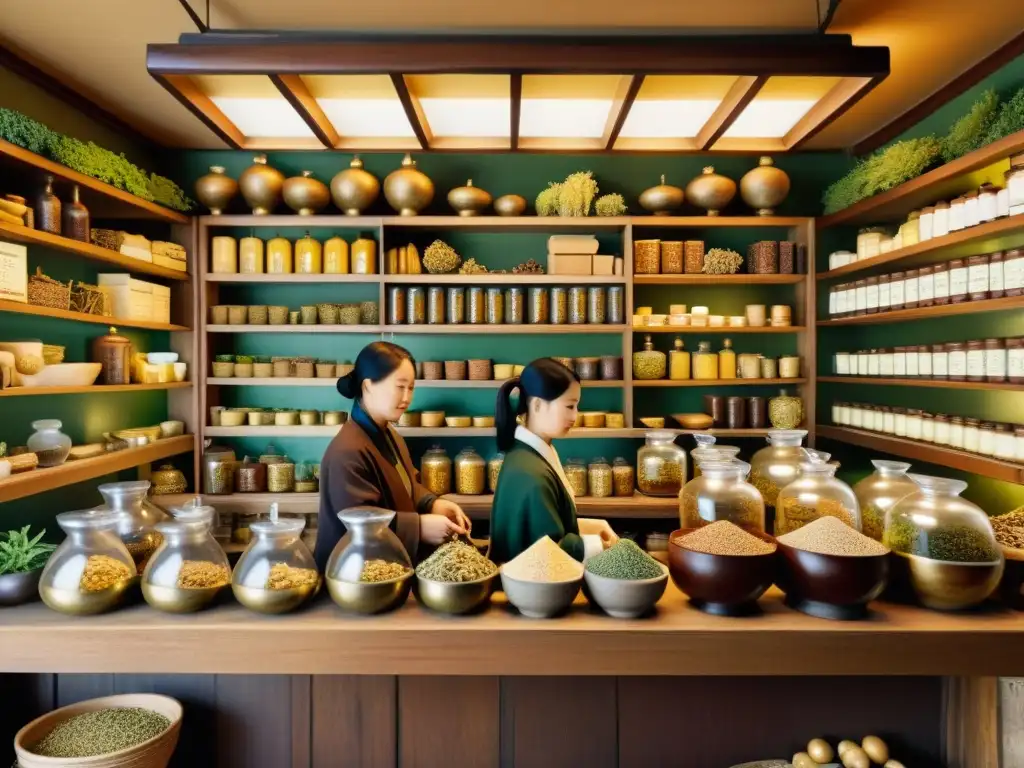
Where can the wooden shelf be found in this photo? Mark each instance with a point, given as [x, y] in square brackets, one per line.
[1000, 234]
[34, 237]
[41, 480]
[943, 183]
[93, 389]
[718, 279]
[945, 310]
[696, 222]
[103, 200]
[918, 382]
[293, 328]
[320, 430]
[506, 279]
[505, 330]
[81, 317]
[292, 220]
[718, 382]
[930, 453]
[290, 278]
[516, 223]
[722, 329]
[420, 383]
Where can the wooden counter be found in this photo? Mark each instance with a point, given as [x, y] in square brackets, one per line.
[678, 640]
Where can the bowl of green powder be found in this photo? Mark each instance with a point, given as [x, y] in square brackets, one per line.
[624, 581]
[455, 579]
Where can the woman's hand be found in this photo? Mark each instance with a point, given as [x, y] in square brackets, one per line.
[594, 527]
[453, 512]
[435, 529]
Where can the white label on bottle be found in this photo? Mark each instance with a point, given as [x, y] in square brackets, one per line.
[872, 297]
[897, 291]
[995, 276]
[976, 363]
[941, 285]
[958, 364]
[1015, 362]
[899, 364]
[1013, 273]
[977, 278]
[995, 363]
[884, 296]
[862, 298]
[926, 287]
[940, 364]
[911, 289]
[849, 305]
[958, 281]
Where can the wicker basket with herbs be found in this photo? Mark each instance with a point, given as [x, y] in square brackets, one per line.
[44, 291]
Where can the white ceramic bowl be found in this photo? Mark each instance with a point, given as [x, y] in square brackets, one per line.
[622, 598]
[540, 599]
[64, 375]
[158, 358]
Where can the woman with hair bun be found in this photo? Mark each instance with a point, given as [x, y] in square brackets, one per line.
[533, 497]
[368, 463]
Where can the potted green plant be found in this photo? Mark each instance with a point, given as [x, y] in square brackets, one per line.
[21, 563]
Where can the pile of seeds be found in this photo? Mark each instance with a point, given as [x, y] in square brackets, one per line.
[284, 576]
[1009, 528]
[381, 570]
[102, 732]
[103, 572]
[624, 560]
[831, 536]
[951, 543]
[456, 561]
[724, 538]
[544, 561]
[201, 574]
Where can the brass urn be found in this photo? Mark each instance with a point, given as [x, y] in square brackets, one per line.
[765, 187]
[261, 186]
[354, 189]
[663, 199]
[216, 189]
[469, 200]
[711, 191]
[510, 205]
[408, 190]
[305, 195]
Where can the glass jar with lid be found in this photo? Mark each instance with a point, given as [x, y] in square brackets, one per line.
[927, 427]
[871, 295]
[995, 360]
[189, 569]
[860, 300]
[708, 450]
[956, 432]
[494, 465]
[623, 478]
[1004, 442]
[470, 473]
[897, 290]
[277, 572]
[91, 570]
[661, 465]
[910, 289]
[996, 277]
[1013, 272]
[972, 435]
[722, 493]
[777, 465]
[956, 353]
[926, 287]
[987, 439]
[977, 277]
[975, 361]
[369, 570]
[940, 284]
[958, 281]
[987, 207]
[816, 492]
[879, 491]
[940, 219]
[884, 293]
[957, 218]
[1015, 360]
[136, 517]
[650, 364]
[940, 362]
[947, 549]
[599, 478]
[924, 361]
[899, 422]
[436, 471]
[576, 474]
[926, 224]
[49, 444]
[971, 213]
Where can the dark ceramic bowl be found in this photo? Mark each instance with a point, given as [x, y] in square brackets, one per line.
[18, 588]
[723, 585]
[831, 586]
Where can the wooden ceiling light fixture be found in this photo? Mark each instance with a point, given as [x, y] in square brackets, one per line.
[494, 94]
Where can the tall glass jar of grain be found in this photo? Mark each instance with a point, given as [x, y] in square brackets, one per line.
[436, 471]
[777, 465]
[660, 465]
[722, 493]
[879, 491]
[470, 473]
[815, 493]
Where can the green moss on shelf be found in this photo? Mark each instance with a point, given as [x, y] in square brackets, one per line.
[883, 170]
[1009, 120]
[969, 132]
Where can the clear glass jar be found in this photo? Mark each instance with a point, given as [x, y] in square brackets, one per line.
[189, 568]
[277, 572]
[776, 466]
[494, 465]
[623, 478]
[136, 517]
[48, 443]
[436, 471]
[599, 478]
[722, 493]
[661, 465]
[369, 570]
[708, 450]
[879, 491]
[91, 570]
[815, 493]
[470, 473]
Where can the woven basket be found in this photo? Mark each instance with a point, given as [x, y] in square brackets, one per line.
[237, 315]
[455, 370]
[44, 291]
[304, 369]
[671, 257]
[480, 370]
[89, 300]
[325, 370]
[343, 369]
[433, 370]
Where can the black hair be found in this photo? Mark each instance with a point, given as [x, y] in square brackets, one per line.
[545, 378]
[376, 361]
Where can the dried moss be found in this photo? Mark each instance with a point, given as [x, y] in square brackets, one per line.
[883, 170]
[610, 205]
[547, 201]
[577, 194]
[1009, 120]
[969, 132]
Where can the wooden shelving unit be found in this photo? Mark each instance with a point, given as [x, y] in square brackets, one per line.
[320, 430]
[918, 382]
[923, 313]
[80, 317]
[289, 278]
[505, 330]
[420, 383]
[93, 389]
[504, 279]
[718, 279]
[293, 328]
[719, 383]
[678, 329]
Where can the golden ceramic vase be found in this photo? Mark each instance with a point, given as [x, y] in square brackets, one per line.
[765, 187]
[711, 191]
[354, 189]
[261, 186]
[663, 199]
[305, 195]
[216, 189]
[510, 205]
[408, 190]
[469, 200]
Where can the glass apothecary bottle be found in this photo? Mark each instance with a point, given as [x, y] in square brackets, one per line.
[136, 517]
[722, 493]
[879, 491]
[678, 361]
[436, 471]
[91, 570]
[48, 443]
[777, 465]
[815, 493]
[949, 555]
[189, 568]
[661, 465]
[649, 364]
[470, 473]
[277, 572]
[705, 362]
[708, 450]
[369, 570]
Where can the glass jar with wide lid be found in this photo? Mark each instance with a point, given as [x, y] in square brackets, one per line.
[815, 493]
[277, 572]
[660, 465]
[189, 568]
[879, 491]
[777, 465]
[136, 517]
[369, 570]
[722, 493]
[436, 471]
[91, 569]
[708, 449]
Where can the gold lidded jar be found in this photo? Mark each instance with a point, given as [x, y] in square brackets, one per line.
[261, 186]
[364, 256]
[470, 473]
[167, 479]
[216, 189]
[764, 188]
[354, 189]
[336, 257]
[510, 205]
[649, 364]
[494, 465]
[305, 194]
[661, 465]
[408, 190]
[663, 199]
[711, 191]
[113, 352]
[469, 200]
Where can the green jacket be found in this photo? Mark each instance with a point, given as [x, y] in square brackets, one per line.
[530, 502]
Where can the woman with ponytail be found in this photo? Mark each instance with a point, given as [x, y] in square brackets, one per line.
[368, 463]
[533, 497]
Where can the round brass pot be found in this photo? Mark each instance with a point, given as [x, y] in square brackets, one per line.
[711, 191]
[455, 598]
[370, 597]
[174, 600]
[408, 190]
[663, 199]
[764, 187]
[945, 586]
[305, 195]
[75, 602]
[274, 600]
[510, 205]
[469, 200]
[261, 186]
[354, 189]
[216, 189]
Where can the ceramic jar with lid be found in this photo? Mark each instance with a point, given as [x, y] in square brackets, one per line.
[957, 217]
[956, 352]
[925, 224]
[1015, 187]
[897, 290]
[113, 352]
[975, 361]
[940, 362]
[988, 209]
[925, 287]
[995, 360]
[977, 277]
[1015, 360]
[1013, 272]
[911, 289]
[940, 219]
[940, 284]
[996, 284]
[958, 281]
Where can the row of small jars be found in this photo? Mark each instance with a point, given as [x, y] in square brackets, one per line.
[1002, 441]
[334, 257]
[468, 475]
[986, 276]
[991, 360]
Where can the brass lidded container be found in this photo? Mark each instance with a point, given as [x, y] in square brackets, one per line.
[510, 205]
[369, 570]
[765, 187]
[663, 199]
[711, 191]
[216, 189]
[114, 353]
[305, 194]
[167, 479]
[408, 190]
[261, 186]
[354, 189]
[469, 200]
